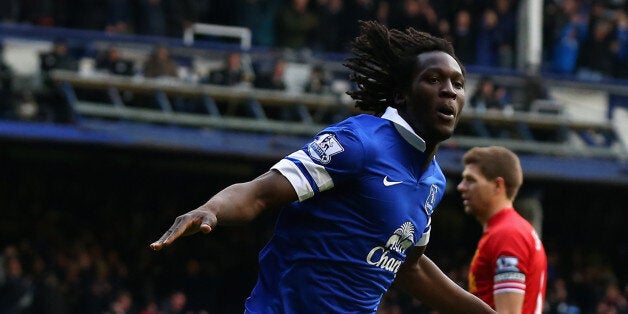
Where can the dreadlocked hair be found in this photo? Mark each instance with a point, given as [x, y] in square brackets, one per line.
[384, 62]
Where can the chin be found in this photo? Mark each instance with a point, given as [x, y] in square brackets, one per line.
[443, 135]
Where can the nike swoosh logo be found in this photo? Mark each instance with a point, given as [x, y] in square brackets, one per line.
[389, 183]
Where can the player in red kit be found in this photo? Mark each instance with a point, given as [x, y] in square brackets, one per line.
[509, 268]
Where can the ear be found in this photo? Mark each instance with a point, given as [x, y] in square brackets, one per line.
[500, 185]
[400, 101]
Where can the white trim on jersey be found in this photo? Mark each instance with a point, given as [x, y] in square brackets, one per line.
[404, 128]
[425, 237]
[300, 184]
[298, 179]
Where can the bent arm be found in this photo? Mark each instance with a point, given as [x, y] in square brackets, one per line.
[244, 201]
[422, 279]
[236, 203]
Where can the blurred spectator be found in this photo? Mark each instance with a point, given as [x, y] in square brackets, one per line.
[57, 58]
[595, 59]
[533, 89]
[507, 29]
[613, 301]
[151, 308]
[361, 10]
[175, 303]
[620, 46]
[112, 62]
[444, 30]
[485, 98]
[464, 37]
[259, 15]
[160, 64]
[335, 25]
[318, 82]
[232, 72]
[118, 16]
[488, 40]
[121, 304]
[488, 96]
[52, 106]
[152, 18]
[559, 301]
[567, 46]
[16, 293]
[296, 25]
[273, 79]
[414, 13]
[6, 87]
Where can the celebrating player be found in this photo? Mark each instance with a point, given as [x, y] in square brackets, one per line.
[358, 199]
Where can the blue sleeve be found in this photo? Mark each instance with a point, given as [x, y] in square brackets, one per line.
[332, 157]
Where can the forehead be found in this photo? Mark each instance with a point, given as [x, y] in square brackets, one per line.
[472, 170]
[437, 59]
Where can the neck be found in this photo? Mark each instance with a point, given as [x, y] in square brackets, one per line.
[430, 151]
[494, 210]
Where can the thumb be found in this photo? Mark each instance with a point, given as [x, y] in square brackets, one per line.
[206, 225]
[205, 228]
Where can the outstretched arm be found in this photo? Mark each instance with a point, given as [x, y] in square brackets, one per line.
[236, 203]
[422, 279]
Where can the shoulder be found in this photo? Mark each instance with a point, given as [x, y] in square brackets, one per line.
[350, 142]
[513, 232]
[362, 126]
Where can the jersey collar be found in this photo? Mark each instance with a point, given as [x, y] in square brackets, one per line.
[404, 128]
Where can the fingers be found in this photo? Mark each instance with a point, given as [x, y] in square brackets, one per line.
[175, 231]
[187, 224]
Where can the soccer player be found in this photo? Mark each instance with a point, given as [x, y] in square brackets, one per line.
[509, 269]
[358, 199]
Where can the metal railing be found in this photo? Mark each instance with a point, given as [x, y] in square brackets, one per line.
[311, 105]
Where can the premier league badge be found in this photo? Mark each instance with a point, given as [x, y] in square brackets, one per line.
[323, 147]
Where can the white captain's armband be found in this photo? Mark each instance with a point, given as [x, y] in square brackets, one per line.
[508, 276]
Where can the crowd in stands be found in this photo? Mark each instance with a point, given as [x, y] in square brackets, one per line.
[582, 38]
[588, 38]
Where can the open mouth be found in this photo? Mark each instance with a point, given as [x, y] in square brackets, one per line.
[447, 112]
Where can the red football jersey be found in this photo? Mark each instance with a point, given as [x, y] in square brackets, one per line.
[510, 258]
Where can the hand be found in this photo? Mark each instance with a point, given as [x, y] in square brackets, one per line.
[187, 224]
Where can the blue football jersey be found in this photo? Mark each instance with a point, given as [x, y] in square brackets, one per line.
[364, 200]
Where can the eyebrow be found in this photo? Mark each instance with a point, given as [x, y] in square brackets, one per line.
[440, 70]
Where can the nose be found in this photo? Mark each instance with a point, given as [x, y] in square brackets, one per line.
[447, 90]
[460, 186]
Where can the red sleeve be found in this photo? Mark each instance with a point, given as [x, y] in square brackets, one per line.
[509, 258]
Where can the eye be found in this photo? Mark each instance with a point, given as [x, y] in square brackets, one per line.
[433, 79]
[458, 84]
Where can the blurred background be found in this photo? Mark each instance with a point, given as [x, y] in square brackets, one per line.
[116, 116]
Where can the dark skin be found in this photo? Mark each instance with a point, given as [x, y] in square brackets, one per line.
[432, 108]
[433, 105]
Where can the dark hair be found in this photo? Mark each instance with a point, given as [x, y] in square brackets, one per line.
[384, 61]
[497, 161]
